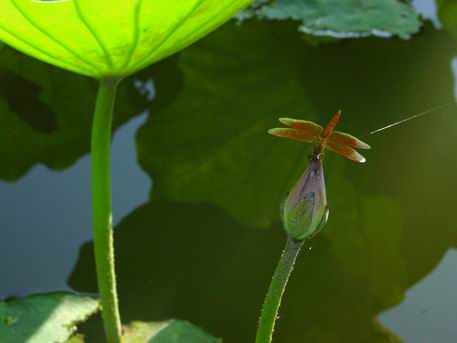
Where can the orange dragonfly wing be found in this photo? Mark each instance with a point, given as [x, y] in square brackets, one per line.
[331, 124]
[297, 135]
[303, 125]
[346, 139]
[345, 151]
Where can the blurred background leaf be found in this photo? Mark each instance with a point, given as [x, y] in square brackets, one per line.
[236, 83]
[195, 262]
[210, 143]
[447, 13]
[46, 113]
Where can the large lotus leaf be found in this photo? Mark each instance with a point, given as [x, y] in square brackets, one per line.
[211, 144]
[214, 134]
[46, 113]
[105, 37]
[44, 318]
[171, 331]
[342, 18]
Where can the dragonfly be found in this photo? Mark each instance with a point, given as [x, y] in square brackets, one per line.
[307, 131]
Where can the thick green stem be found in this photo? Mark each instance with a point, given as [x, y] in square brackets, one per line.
[101, 208]
[276, 290]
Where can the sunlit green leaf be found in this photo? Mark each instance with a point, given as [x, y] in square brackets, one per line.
[44, 318]
[172, 331]
[342, 18]
[105, 38]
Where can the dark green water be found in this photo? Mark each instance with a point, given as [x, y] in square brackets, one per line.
[204, 242]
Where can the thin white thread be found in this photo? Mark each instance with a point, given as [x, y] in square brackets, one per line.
[409, 118]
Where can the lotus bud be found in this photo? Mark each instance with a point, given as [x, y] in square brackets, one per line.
[305, 210]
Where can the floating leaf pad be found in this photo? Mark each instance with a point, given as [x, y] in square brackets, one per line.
[44, 318]
[342, 18]
[172, 331]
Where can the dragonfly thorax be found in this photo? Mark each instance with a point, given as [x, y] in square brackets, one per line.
[318, 151]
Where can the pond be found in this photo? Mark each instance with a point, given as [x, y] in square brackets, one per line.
[197, 184]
